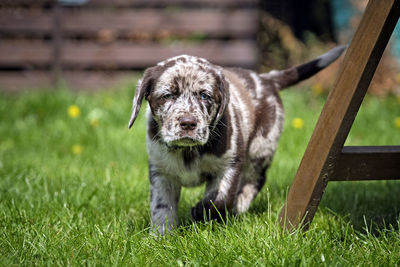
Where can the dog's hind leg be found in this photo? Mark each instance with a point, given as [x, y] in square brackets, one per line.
[247, 193]
[249, 190]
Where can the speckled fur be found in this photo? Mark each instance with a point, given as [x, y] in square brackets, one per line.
[235, 118]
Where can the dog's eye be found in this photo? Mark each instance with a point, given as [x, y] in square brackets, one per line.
[168, 96]
[205, 96]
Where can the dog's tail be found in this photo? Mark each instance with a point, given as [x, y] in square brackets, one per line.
[296, 74]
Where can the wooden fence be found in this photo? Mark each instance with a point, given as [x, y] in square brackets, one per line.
[100, 42]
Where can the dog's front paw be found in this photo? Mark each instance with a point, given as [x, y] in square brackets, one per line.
[198, 212]
[160, 230]
[208, 210]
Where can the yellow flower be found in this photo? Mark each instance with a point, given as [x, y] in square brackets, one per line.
[77, 149]
[74, 111]
[317, 88]
[297, 123]
[397, 122]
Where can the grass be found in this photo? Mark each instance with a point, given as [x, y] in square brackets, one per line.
[74, 191]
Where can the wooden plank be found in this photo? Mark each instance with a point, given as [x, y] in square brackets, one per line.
[131, 23]
[25, 3]
[163, 3]
[367, 163]
[25, 54]
[339, 112]
[127, 55]
[16, 81]
[25, 22]
[137, 3]
[122, 55]
[99, 80]
[239, 23]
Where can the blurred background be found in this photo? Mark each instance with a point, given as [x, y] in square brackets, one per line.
[74, 181]
[93, 44]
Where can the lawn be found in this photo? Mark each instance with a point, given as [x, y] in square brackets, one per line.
[74, 191]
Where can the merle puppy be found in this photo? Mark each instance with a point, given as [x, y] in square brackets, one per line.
[215, 125]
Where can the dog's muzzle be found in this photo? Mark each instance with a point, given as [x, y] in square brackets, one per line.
[189, 134]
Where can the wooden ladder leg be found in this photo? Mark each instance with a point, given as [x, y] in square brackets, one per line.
[339, 112]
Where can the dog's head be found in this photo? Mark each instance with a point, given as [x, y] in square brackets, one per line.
[187, 97]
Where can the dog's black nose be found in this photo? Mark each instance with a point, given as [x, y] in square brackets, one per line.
[188, 123]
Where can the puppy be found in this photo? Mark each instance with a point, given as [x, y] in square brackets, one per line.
[213, 125]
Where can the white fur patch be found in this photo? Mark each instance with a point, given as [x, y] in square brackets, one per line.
[264, 147]
[238, 103]
[248, 193]
[225, 184]
[258, 84]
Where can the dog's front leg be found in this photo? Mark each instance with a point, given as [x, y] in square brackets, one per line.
[219, 196]
[164, 198]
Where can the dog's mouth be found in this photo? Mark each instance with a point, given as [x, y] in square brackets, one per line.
[184, 142]
[184, 139]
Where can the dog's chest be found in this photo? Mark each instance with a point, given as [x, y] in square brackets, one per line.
[193, 170]
[187, 168]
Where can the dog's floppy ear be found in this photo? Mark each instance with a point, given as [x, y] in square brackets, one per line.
[143, 89]
[223, 88]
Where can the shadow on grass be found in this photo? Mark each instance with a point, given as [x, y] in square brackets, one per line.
[372, 204]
